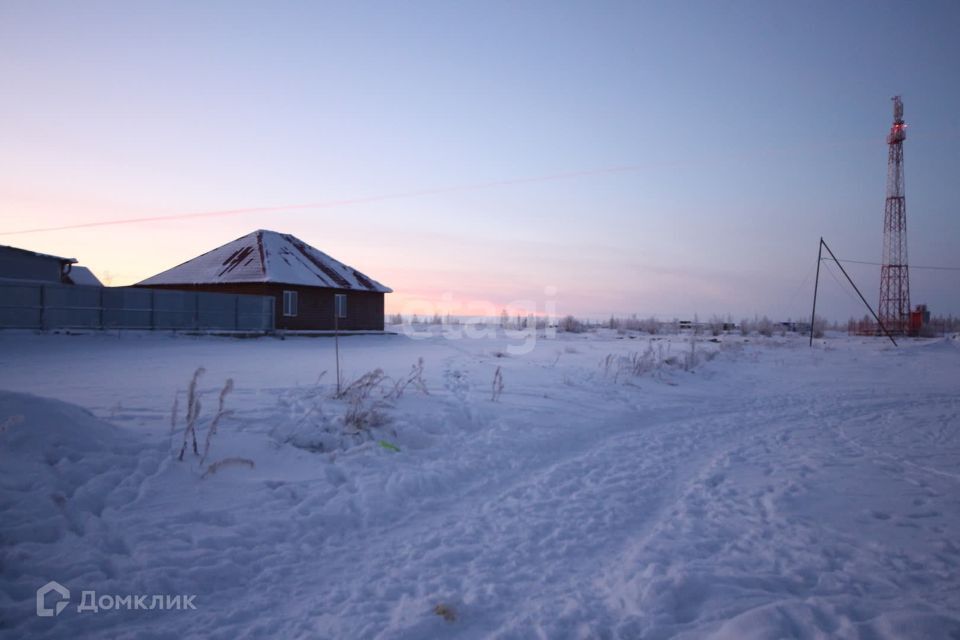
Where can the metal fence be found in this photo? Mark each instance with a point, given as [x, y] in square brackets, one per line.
[28, 305]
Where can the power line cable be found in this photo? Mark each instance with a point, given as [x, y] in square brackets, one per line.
[330, 204]
[880, 264]
[843, 287]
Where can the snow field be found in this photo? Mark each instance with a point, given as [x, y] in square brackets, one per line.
[770, 491]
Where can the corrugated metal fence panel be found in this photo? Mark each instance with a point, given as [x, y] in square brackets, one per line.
[125, 308]
[254, 313]
[218, 310]
[71, 306]
[21, 306]
[26, 305]
[175, 310]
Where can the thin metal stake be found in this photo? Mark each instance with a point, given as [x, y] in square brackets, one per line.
[336, 338]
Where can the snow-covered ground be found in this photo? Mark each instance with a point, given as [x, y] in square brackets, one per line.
[616, 488]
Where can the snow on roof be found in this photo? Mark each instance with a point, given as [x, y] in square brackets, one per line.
[267, 256]
[83, 276]
[37, 253]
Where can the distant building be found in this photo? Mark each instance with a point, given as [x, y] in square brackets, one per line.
[306, 283]
[919, 319]
[21, 264]
[82, 276]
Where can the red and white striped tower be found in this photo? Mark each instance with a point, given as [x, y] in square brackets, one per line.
[894, 308]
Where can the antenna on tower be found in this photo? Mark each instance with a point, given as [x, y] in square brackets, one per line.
[894, 308]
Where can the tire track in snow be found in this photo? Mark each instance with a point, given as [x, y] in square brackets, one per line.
[566, 517]
[736, 554]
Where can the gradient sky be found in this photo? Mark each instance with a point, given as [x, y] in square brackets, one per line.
[740, 133]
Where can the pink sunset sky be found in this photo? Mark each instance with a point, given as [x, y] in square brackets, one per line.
[663, 159]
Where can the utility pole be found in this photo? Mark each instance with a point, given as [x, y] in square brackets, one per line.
[816, 285]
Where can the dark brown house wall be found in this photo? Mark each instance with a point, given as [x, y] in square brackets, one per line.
[315, 304]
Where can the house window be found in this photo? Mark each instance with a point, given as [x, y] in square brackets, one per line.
[340, 304]
[290, 303]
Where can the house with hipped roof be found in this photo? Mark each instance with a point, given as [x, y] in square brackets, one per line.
[311, 290]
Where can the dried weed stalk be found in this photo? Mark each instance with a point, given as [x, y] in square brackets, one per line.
[193, 410]
[497, 384]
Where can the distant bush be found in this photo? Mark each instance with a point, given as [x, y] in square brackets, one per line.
[651, 325]
[819, 327]
[765, 326]
[717, 325]
[569, 324]
[633, 323]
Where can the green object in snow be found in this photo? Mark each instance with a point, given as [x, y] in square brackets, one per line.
[389, 446]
